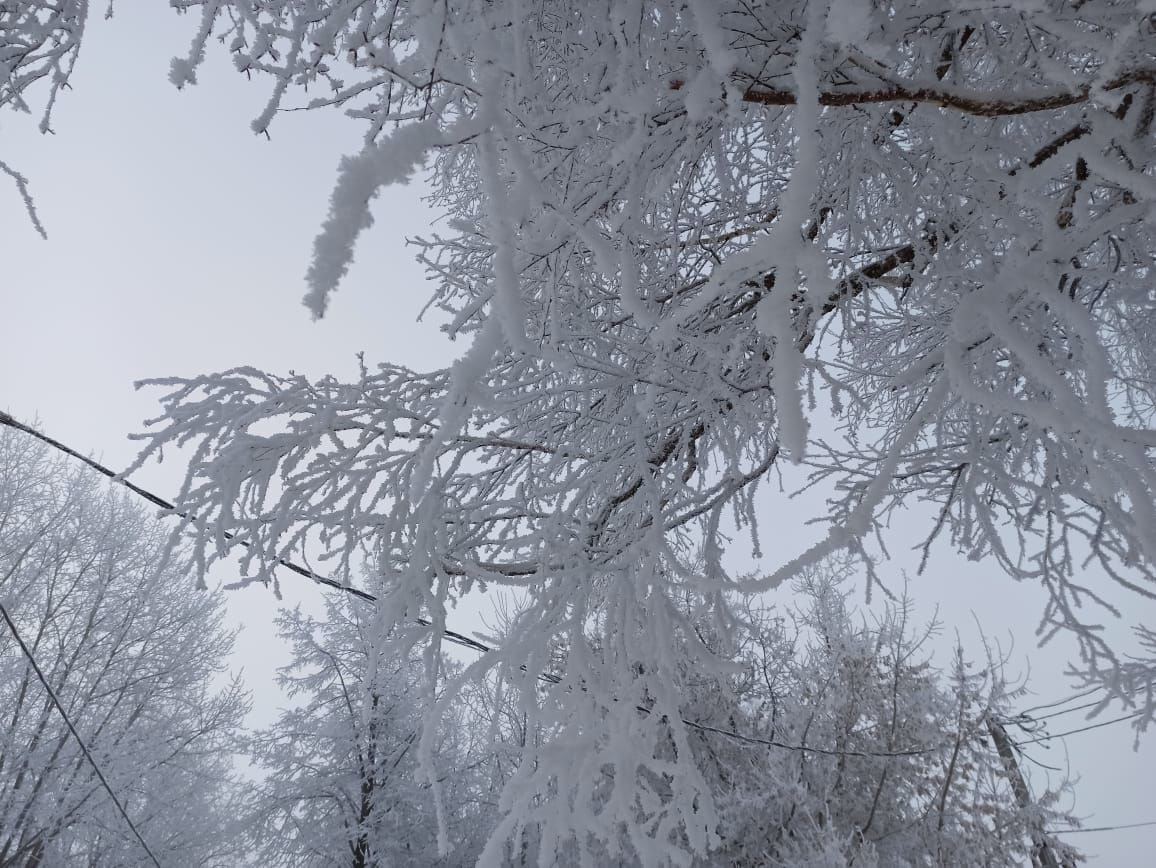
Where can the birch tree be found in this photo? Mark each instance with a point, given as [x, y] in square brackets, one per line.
[134, 653]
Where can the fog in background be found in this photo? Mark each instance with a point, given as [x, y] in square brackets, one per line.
[178, 242]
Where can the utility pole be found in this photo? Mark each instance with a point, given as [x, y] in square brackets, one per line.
[1043, 856]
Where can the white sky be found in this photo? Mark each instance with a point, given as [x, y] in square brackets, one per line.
[177, 245]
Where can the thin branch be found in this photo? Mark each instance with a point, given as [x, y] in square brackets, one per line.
[76, 735]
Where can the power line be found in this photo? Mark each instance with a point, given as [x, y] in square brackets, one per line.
[1034, 719]
[1102, 723]
[464, 641]
[1027, 714]
[76, 735]
[1102, 828]
[1079, 695]
[802, 748]
[5, 419]
[1026, 719]
[451, 636]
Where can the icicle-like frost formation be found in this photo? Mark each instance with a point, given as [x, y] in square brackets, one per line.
[669, 225]
[360, 178]
[786, 250]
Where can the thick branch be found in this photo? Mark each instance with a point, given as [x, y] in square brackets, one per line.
[969, 102]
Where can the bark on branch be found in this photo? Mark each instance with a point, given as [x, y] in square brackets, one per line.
[969, 102]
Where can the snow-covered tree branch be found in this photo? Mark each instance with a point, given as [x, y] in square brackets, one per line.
[678, 235]
[39, 45]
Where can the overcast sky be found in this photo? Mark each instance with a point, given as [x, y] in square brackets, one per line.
[178, 242]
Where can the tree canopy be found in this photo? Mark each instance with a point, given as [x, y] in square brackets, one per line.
[134, 653]
[678, 235]
[342, 781]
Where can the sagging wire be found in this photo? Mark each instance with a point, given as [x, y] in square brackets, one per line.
[456, 638]
[76, 735]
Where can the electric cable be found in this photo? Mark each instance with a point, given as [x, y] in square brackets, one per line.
[76, 735]
[464, 641]
[1078, 730]
[1103, 828]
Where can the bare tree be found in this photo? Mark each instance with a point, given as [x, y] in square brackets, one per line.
[343, 785]
[135, 654]
[859, 750]
[832, 739]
